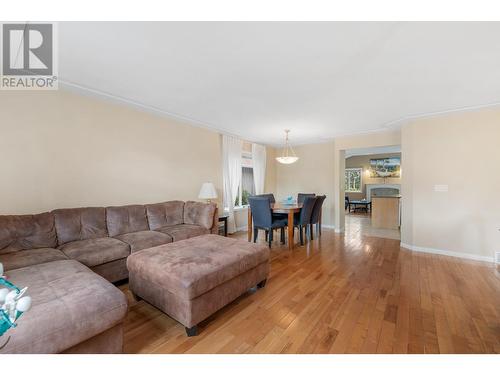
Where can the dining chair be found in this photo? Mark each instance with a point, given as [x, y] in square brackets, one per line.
[316, 215]
[263, 219]
[303, 219]
[302, 196]
[272, 200]
[346, 204]
[269, 195]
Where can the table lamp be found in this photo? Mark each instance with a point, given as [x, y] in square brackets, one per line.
[207, 191]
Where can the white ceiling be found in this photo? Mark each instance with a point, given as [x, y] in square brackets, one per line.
[255, 79]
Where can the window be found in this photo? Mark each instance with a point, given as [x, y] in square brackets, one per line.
[247, 186]
[353, 180]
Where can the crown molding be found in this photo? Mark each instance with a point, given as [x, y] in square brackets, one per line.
[90, 92]
[389, 126]
[397, 124]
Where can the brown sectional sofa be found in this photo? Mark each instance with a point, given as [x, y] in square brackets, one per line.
[100, 238]
[56, 251]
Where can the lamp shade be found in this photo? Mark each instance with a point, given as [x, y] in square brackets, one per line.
[288, 156]
[207, 191]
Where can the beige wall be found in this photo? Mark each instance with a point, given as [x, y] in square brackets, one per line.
[271, 167]
[363, 161]
[462, 151]
[312, 173]
[59, 149]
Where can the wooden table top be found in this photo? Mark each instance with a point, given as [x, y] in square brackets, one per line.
[285, 208]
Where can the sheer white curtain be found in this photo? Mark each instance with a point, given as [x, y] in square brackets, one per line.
[259, 167]
[231, 175]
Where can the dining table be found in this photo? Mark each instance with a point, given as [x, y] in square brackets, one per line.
[279, 208]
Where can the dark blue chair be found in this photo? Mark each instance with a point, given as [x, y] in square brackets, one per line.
[263, 219]
[270, 196]
[302, 196]
[272, 200]
[303, 219]
[316, 215]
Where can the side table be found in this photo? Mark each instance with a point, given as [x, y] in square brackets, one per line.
[223, 218]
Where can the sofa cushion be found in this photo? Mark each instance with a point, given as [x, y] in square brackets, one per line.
[74, 224]
[70, 305]
[192, 267]
[126, 219]
[144, 239]
[96, 251]
[25, 258]
[198, 213]
[19, 232]
[183, 231]
[163, 214]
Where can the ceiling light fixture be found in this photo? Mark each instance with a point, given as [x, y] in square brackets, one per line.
[288, 156]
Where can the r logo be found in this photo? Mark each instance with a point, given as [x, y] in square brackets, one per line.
[27, 49]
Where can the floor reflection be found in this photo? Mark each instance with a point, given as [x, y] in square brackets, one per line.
[358, 225]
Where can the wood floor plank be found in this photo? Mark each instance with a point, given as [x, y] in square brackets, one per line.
[342, 294]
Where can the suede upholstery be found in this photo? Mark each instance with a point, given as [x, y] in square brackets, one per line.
[113, 271]
[71, 304]
[144, 239]
[190, 280]
[192, 267]
[74, 309]
[215, 225]
[20, 259]
[163, 214]
[76, 224]
[198, 213]
[108, 342]
[21, 232]
[126, 219]
[65, 228]
[95, 251]
[183, 231]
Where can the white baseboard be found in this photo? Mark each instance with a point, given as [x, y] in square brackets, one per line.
[447, 253]
[327, 226]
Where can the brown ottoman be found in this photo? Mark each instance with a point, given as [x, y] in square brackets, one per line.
[191, 279]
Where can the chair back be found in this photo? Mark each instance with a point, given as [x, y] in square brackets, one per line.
[317, 209]
[261, 211]
[270, 196]
[302, 196]
[306, 211]
[346, 202]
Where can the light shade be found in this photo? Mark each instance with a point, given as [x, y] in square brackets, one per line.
[207, 191]
[287, 159]
[288, 156]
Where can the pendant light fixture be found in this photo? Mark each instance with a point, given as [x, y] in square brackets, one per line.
[288, 156]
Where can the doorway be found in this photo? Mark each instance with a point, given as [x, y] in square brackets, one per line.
[372, 192]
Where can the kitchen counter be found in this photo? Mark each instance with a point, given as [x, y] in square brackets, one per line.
[385, 211]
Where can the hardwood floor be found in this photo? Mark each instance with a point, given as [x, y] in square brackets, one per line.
[343, 294]
[361, 222]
